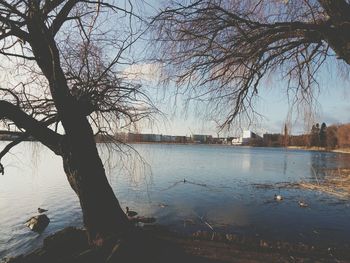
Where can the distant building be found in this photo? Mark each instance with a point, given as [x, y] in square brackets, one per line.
[199, 138]
[151, 137]
[237, 141]
[249, 136]
[246, 138]
[168, 138]
[180, 139]
[273, 140]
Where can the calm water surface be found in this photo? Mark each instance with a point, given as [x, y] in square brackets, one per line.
[219, 189]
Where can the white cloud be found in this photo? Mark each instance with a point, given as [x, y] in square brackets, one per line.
[146, 72]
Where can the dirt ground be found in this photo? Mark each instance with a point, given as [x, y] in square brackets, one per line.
[156, 245]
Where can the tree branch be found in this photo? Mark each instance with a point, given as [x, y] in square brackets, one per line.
[9, 146]
[62, 16]
[33, 127]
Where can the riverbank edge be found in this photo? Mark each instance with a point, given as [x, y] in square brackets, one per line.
[158, 244]
[319, 149]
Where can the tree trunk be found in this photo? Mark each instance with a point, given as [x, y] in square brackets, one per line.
[102, 214]
[338, 34]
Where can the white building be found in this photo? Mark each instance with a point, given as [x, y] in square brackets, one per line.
[245, 138]
[237, 141]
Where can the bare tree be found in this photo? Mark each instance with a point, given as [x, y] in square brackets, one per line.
[68, 87]
[221, 50]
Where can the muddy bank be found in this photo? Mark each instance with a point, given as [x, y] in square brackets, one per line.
[156, 244]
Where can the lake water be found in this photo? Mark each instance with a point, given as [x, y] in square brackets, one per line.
[219, 189]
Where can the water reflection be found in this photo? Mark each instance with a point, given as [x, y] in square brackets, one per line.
[245, 162]
[217, 190]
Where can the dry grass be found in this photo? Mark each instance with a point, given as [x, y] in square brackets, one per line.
[335, 183]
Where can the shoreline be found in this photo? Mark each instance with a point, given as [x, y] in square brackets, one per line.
[155, 243]
[319, 149]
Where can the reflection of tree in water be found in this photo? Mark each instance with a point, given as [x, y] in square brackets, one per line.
[285, 163]
[319, 163]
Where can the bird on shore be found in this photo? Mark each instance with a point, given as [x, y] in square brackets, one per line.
[41, 210]
[303, 204]
[130, 213]
[278, 197]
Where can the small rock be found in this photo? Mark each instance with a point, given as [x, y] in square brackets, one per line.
[38, 223]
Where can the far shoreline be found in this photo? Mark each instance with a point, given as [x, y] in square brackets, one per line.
[319, 149]
[303, 148]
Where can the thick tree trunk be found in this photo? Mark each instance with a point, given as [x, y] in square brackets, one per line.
[102, 214]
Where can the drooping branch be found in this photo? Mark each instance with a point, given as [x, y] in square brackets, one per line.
[219, 51]
[9, 146]
[20, 138]
[32, 126]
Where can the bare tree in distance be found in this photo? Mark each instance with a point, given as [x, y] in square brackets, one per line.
[219, 51]
[69, 86]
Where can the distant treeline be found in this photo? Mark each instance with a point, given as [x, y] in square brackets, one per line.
[334, 136]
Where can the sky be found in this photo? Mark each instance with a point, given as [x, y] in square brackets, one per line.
[332, 106]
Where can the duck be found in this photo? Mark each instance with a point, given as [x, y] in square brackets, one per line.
[303, 204]
[278, 197]
[41, 210]
[130, 213]
[162, 205]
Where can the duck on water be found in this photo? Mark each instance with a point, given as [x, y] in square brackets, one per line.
[130, 213]
[278, 197]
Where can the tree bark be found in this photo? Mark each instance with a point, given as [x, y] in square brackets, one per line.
[102, 214]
